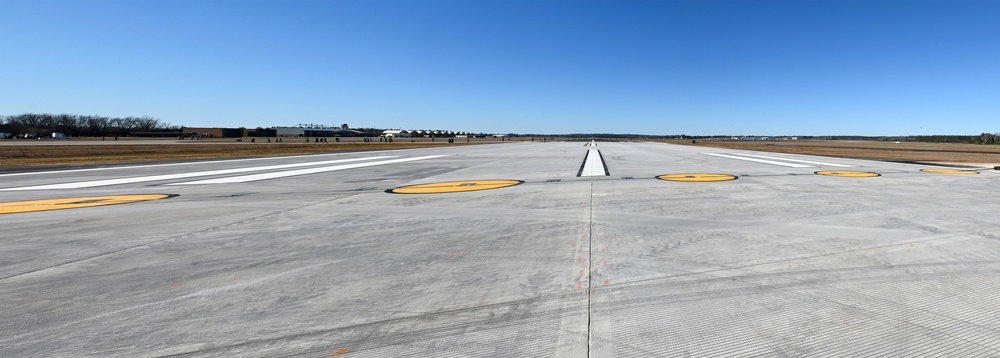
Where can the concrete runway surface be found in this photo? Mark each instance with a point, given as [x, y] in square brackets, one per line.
[738, 254]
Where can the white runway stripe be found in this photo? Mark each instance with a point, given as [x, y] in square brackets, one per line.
[791, 165]
[798, 161]
[133, 167]
[93, 183]
[264, 176]
[593, 165]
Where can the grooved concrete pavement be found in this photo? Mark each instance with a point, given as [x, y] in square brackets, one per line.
[780, 262]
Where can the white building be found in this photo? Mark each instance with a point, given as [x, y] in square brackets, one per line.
[395, 133]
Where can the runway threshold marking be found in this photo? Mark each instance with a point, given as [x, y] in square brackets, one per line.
[697, 177]
[264, 176]
[105, 182]
[949, 171]
[13, 207]
[791, 165]
[847, 173]
[454, 186]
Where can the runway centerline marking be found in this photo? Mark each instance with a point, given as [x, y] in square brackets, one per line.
[93, 183]
[26, 206]
[265, 176]
[791, 165]
[593, 165]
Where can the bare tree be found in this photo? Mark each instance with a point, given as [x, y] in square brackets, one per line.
[66, 124]
[124, 126]
[97, 125]
[28, 123]
[146, 124]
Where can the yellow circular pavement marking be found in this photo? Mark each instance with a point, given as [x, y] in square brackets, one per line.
[949, 171]
[13, 207]
[454, 186]
[697, 177]
[847, 173]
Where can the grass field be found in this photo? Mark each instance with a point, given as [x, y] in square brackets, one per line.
[88, 150]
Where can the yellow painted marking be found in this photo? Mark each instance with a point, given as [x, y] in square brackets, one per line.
[454, 186]
[697, 177]
[949, 171]
[847, 173]
[13, 207]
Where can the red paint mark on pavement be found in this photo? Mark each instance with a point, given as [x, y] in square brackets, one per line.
[340, 351]
[579, 285]
[606, 282]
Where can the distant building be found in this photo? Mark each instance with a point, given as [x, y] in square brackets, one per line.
[262, 132]
[290, 131]
[317, 131]
[395, 133]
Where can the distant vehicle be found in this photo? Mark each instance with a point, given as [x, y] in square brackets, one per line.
[4, 135]
[60, 136]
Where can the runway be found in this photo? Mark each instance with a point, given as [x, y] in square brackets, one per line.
[504, 250]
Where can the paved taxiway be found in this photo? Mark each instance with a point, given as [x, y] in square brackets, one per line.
[310, 256]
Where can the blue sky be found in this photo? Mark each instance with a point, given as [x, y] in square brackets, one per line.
[649, 67]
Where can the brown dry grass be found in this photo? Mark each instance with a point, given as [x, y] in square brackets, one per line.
[905, 151]
[26, 152]
[79, 151]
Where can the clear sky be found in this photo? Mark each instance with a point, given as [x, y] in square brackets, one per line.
[649, 67]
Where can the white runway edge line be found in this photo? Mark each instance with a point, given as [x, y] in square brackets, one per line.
[791, 165]
[593, 165]
[89, 184]
[130, 167]
[797, 160]
[264, 176]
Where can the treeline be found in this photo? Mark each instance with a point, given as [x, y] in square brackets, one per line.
[44, 124]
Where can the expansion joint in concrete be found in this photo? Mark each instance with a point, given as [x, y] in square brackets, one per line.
[590, 271]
